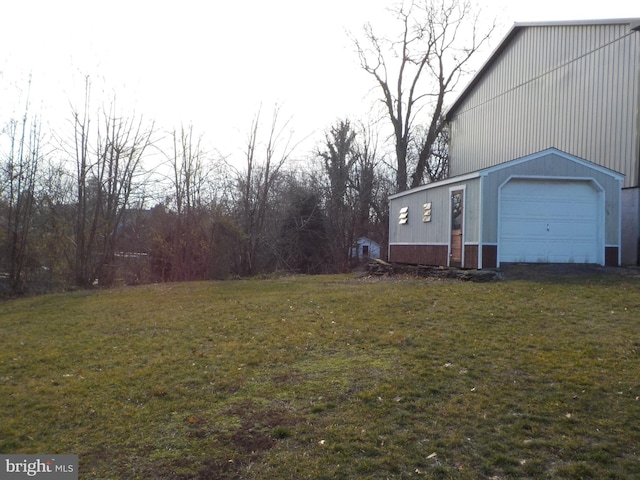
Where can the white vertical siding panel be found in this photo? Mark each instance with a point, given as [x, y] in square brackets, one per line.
[633, 108]
[624, 112]
[567, 87]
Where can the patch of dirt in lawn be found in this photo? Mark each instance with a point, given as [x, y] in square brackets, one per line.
[257, 429]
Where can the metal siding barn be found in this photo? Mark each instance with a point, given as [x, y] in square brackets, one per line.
[573, 86]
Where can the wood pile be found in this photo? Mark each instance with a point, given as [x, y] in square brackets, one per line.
[379, 267]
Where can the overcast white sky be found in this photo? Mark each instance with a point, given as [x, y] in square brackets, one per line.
[214, 63]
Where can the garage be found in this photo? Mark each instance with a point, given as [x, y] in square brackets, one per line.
[551, 221]
[546, 207]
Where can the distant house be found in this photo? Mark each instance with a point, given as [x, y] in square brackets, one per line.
[364, 249]
[544, 156]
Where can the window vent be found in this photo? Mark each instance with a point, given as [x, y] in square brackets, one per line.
[404, 215]
[426, 214]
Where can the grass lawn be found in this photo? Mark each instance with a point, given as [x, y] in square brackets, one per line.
[329, 377]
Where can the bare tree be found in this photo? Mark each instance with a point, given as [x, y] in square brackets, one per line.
[437, 164]
[255, 184]
[417, 70]
[189, 177]
[55, 223]
[366, 181]
[20, 170]
[302, 240]
[374, 182]
[350, 161]
[338, 160]
[106, 170]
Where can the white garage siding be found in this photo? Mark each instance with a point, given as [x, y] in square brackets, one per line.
[551, 221]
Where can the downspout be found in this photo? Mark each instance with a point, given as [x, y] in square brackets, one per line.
[635, 27]
[620, 185]
[389, 232]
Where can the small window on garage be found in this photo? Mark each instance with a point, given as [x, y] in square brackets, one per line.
[456, 210]
[404, 216]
